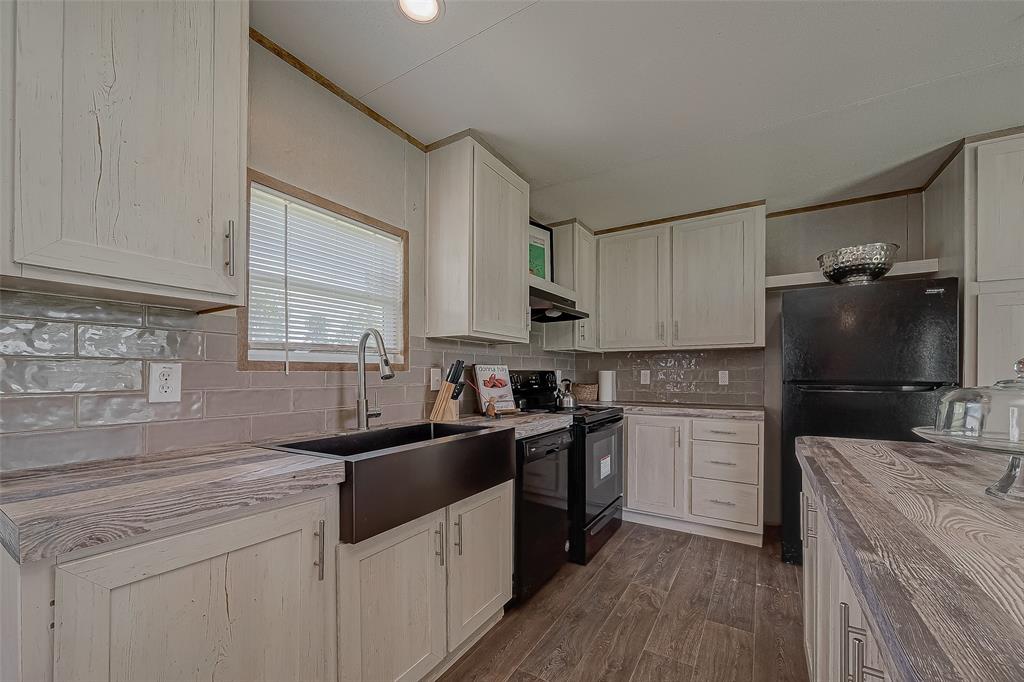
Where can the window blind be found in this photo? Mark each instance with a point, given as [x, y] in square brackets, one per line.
[341, 277]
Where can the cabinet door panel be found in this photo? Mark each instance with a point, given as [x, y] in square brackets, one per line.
[714, 281]
[1001, 210]
[655, 465]
[133, 120]
[499, 250]
[480, 560]
[634, 289]
[1000, 334]
[240, 600]
[391, 603]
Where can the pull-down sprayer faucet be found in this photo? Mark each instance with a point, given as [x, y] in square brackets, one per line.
[363, 407]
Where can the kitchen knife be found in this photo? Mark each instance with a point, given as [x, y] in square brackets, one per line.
[457, 374]
[458, 390]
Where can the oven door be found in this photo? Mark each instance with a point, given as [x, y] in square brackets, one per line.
[602, 467]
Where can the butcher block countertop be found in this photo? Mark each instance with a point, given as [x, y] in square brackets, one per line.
[937, 563]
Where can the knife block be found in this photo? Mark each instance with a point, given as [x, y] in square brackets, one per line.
[445, 409]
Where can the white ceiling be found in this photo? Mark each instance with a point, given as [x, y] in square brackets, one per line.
[619, 111]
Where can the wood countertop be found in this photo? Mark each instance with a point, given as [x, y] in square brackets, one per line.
[937, 563]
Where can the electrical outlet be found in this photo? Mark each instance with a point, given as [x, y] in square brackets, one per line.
[723, 377]
[164, 382]
[645, 377]
[435, 378]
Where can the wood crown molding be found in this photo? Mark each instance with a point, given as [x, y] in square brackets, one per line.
[683, 216]
[329, 85]
[477, 137]
[846, 202]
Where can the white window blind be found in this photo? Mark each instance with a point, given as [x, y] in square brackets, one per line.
[341, 277]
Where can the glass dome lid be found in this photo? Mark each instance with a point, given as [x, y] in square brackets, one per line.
[988, 419]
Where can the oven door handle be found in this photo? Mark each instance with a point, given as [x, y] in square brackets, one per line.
[604, 426]
[605, 520]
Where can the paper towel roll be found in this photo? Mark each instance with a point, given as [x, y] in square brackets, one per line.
[606, 386]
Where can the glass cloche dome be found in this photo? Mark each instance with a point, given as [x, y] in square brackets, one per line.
[989, 419]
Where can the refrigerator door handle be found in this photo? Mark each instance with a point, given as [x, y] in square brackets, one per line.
[843, 388]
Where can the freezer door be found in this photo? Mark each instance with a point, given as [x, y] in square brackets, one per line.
[886, 332]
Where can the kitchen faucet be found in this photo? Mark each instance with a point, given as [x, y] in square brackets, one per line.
[386, 373]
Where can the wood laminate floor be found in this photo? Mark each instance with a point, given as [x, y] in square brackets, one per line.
[653, 605]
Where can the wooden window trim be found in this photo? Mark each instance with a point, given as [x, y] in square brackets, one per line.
[244, 363]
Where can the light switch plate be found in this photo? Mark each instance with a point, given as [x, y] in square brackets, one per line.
[723, 377]
[645, 377]
[435, 378]
[164, 382]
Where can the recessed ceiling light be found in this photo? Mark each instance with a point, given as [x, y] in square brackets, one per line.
[421, 11]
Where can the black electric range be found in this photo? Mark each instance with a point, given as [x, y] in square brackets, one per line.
[596, 461]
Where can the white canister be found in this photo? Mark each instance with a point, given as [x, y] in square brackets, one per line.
[606, 386]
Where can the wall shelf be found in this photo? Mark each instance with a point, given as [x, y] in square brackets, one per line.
[815, 278]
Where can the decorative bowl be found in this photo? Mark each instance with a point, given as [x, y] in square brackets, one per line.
[858, 264]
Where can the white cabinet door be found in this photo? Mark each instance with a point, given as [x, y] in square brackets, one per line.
[479, 560]
[241, 600]
[130, 122]
[634, 283]
[809, 537]
[1000, 334]
[717, 280]
[586, 289]
[655, 466]
[1001, 210]
[501, 206]
[391, 602]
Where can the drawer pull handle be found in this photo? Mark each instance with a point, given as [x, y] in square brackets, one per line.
[319, 535]
[718, 461]
[440, 543]
[722, 433]
[724, 503]
[230, 260]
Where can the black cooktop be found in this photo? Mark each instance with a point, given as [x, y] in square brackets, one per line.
[534, 391]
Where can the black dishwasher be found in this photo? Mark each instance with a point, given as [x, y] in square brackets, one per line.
[542, 510]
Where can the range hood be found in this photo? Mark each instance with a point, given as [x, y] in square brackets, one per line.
[548, 304]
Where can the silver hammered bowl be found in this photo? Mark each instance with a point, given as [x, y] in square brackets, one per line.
[858, 264]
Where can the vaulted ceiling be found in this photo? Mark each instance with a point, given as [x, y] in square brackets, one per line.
[619, 111]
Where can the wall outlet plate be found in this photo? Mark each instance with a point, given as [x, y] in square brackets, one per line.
[723, 377]
[435, 378]
[645, 377]
[164, 382]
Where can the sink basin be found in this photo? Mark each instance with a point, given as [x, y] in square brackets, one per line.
[397, 474]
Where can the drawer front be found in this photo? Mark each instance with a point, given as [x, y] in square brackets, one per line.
[726, 431]
[736, 502]
[725, 461]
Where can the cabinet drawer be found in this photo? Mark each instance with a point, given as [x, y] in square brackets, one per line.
[726, 431]
[736, 502]
[725, 461]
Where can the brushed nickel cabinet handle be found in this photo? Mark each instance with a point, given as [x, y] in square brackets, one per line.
[675, 330]
[679, 437]
[722, 433]
[803, 519]
[440, 542]
[661, 331]
[724, 503]
[458, 537]
[319, 563]
[230, 260]
[718, 461]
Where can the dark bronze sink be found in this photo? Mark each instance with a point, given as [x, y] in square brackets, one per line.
[396, 474]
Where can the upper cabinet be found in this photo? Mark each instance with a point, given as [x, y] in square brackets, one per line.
[634, 288]
[718, 280]
[1001, 210]
[477, 216]
[575, 267]
[129, 162]
[696, 283]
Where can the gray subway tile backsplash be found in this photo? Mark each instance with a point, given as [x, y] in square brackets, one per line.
[23, 450]
[36, 375]
[36, 413]
[36, 337]
[127, 342]
[100, 410]
[46, 306]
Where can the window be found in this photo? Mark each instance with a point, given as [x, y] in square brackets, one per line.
[319, 275]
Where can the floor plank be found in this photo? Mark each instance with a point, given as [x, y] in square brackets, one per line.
[739, 562]
[773, 572]
[778, 636]
[726, 654]
[732, 603]
[619, 644]
[664, 562]
[655, 668]
[677, 632]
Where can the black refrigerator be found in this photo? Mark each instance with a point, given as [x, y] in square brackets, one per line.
[862, 361]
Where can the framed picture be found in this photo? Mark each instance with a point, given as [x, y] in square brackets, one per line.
[540, 239]
[493, 384]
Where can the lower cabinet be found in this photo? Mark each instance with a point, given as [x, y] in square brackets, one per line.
[410, 597]
[247, 599]
[1000, 333]
[837, 632]
[655, 464]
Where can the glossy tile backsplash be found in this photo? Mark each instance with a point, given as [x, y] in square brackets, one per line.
[72, 383]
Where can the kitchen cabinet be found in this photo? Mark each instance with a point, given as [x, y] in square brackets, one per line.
[809, 539]
[701, 476]
[1000, 334]
[634, 289]
[411, 596]
[243, 599]
[655, 464]
[479, 560]
[718, 280]
[477, 216]
[1000, 197]
[575, 267]
[129, 168]
[391, 602]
